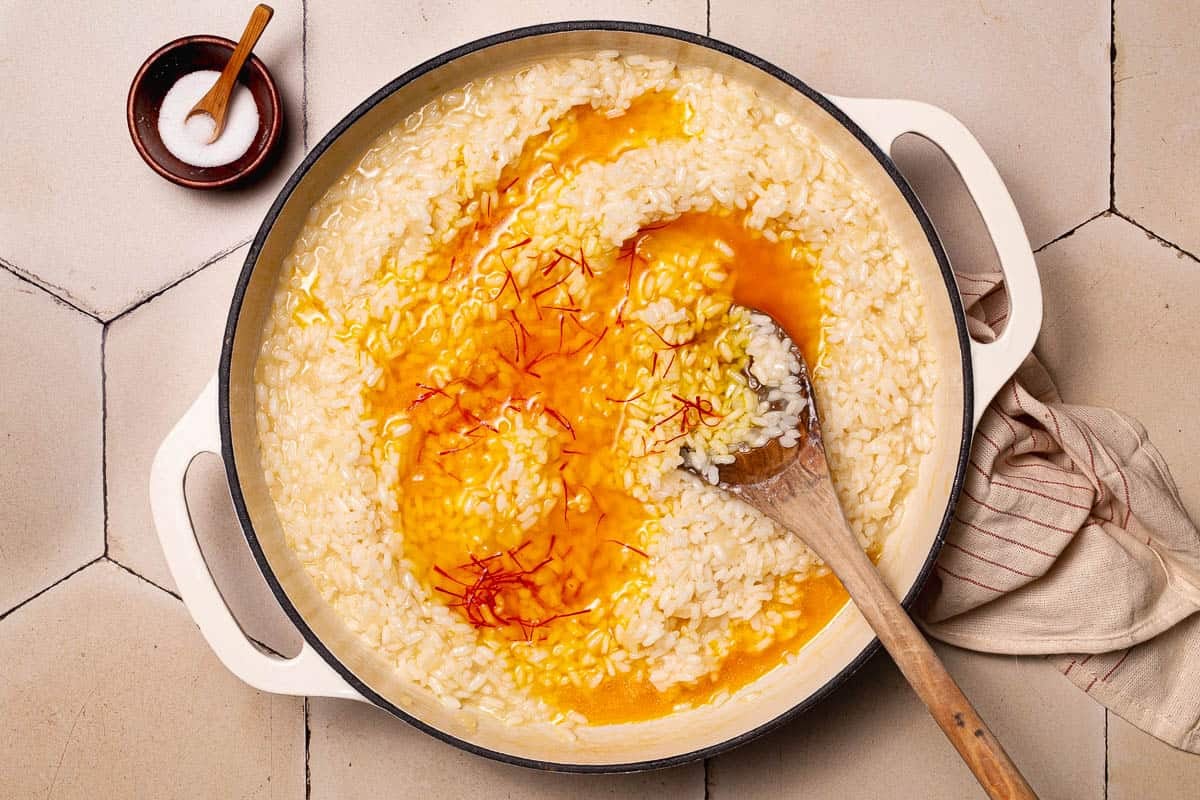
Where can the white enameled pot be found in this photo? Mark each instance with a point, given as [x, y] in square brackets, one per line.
[335, 663]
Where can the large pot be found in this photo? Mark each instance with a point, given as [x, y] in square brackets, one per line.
[334, 663]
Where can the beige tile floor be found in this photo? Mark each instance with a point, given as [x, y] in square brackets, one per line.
[107, 689]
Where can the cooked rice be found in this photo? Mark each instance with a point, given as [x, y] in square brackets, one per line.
[716, 568]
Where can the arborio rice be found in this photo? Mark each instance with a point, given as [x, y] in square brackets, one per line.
[501, 515]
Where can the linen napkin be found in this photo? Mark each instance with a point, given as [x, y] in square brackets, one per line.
[1070, 541]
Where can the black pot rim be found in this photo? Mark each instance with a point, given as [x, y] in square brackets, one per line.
[434, 63]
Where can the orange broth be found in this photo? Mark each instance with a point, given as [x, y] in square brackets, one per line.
[566, 361]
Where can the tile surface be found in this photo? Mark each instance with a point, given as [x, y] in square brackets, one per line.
[355, 47]
[1157, 135]
[81, 212]
[109, 690]
[52, 514]
[172, 344]
[1030, 79]
[1141, 767]
[136, 705]
[1120, 317]
[360, 751]
[873, 738]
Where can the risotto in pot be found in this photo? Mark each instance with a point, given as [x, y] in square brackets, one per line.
[503, 331]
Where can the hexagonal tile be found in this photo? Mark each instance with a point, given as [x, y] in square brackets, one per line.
[361, 751]
[348, 60]
[173, 343]
[52, 517]
[1119, 331]
[93, 221]
[1156, 94]
[1030, 79]
[109, 690]
[1140, 766]
[873, 738]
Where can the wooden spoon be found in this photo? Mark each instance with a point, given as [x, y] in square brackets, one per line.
[792, 486]
[216, 102]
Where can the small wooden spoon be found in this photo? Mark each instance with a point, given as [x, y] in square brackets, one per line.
[792, 486]
[216, 102]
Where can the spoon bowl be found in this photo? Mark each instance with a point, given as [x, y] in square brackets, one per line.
[758, 464]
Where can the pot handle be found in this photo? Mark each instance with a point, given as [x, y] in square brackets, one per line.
[307, 673]
[993, 362]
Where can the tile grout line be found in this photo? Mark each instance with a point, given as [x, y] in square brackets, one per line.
[1123, 216]
[208, 262]
[1106, 713]
[176, 595]
[46, 288]
[41, 592]
[52, 290]
[258, 643]
[307, 751]
[141, 577]
[708, 18]
[1071, 231]
[1112, 106]
[707, 776]
[304, 74]
[1164, 242]
[104, 432]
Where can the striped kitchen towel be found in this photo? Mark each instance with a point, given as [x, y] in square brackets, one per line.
[1070, 541]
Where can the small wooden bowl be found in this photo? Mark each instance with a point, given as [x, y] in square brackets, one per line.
[158, 74]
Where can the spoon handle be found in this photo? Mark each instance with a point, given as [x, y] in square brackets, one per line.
[958, 719]
[804, 502]
[223, 88]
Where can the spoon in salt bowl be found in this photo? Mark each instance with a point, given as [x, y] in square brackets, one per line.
[792, 486]
[216, 102]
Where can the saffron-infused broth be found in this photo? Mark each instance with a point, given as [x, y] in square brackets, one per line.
[503, 332]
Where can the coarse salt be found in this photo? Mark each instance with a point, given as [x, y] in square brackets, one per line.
[187, 139]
